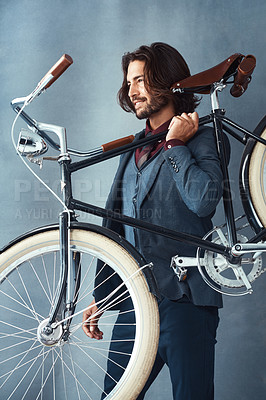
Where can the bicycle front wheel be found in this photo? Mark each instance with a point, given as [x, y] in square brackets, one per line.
[73, 367]
[257, 176]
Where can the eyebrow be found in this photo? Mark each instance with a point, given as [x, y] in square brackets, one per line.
[136, 78]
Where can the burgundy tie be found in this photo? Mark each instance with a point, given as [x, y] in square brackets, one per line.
[145, 152]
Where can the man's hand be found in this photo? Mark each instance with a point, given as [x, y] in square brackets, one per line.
[91, 327]
[183, 127]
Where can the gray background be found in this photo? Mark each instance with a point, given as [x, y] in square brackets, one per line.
[34, 34]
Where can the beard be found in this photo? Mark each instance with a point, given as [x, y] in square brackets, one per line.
[151, 107]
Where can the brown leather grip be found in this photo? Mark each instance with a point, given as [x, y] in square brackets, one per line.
[243, 76]
[117, 143]
[62, 64]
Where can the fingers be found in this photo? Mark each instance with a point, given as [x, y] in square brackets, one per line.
[90, 322]
[183, 126]
[191, 118]
[195, 118]
[90, 327]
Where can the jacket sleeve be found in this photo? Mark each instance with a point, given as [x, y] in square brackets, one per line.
[197, 173]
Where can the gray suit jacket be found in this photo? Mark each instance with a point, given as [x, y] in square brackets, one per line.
[184, 188]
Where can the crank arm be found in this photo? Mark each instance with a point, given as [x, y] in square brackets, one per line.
[240, 274]
[242, 248]
[180, 265]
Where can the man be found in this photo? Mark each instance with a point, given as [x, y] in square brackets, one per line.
[177, 184]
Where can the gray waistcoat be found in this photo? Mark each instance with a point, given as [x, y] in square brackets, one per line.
[133, 191]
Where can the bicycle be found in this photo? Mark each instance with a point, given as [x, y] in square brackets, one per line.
[38, 331]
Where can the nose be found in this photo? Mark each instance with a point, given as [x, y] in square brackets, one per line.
[133, 90]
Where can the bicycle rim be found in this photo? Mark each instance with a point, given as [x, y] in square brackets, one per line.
[257, 179]
[73, 368]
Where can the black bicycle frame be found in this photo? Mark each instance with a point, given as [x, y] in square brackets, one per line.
[220, 122]
[217, 118]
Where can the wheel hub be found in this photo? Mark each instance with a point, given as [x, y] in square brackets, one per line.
[47, 335]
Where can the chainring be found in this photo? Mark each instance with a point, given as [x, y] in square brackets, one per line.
[219, 273]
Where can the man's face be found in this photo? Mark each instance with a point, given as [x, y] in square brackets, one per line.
[144, 104]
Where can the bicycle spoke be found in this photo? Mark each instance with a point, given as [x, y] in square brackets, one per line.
[47, 376]
[97, 364]
[20, 354]
[17, 334]
[9, 373]
[86, 290]
[16, 327]
[46, 278]
[78, 381]
[75, 327]
[104, 316]
[81, 342]
[17, 312]
[63, 373]
[27, 293]
[18, 366]
[24, 376]
[14, 345]
[36, 373]
[74, 372]
[40, 282]
[53, 379]
[107, 358]
[105, 350]
[99, 312]
[23, 304]
[42, 366]
[104, 306]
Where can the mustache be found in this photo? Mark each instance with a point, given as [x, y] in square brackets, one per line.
[138, 99]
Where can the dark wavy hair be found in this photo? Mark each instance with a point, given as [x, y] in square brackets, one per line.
[164, 65]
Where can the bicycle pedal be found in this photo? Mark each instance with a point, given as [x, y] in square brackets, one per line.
[181, 272]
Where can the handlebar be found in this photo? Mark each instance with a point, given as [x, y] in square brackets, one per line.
[52, 75]
[62, 64]
[39, 129]
[117, 143]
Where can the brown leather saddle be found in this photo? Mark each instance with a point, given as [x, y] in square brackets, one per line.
[237, 65]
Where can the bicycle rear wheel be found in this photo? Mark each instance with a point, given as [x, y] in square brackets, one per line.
[257, 176]
[73, 367]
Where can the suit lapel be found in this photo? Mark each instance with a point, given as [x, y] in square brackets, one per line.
[114, 198]
[156, 166]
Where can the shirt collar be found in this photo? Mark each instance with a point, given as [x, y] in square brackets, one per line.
[160, 129]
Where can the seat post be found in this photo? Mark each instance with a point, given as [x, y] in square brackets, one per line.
[216, 87]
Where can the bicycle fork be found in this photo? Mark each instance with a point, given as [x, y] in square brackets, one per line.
[51, 331]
